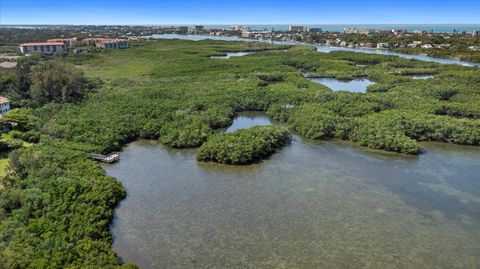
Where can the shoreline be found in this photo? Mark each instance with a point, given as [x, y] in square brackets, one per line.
[386, 52]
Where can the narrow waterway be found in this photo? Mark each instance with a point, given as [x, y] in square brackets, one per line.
[321, 48]
[355, 85]
[229, 55]
[311, 205]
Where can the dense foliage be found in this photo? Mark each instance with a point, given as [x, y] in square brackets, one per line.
[57, 204]
[56, 210]
[35, 82]
[243, 146]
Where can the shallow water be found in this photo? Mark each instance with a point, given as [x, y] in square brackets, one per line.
[248, 119]
[356, 85]
[231, 54]
[311, 205]
[422, 76]
[322, 48]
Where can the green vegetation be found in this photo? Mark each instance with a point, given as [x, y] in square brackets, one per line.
[36, 82]
[55, 211]
[243, 146]
[56, 203]
[454, 46]
[460, 52]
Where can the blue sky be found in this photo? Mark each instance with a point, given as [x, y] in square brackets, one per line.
[241, 12]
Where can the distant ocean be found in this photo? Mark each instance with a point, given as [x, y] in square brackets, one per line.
[436, 28]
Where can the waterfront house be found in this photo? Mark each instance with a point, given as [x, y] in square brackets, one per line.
[42, 47]
[112, 44]
[443, 46]
[4, 105]
[383, 46]
[427, 46]
[247, 34]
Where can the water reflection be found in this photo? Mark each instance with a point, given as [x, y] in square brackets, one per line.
[228, 55]
[248, 119]
[356, 85]
[314, 204]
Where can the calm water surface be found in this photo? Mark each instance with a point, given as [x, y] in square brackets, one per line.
[356, 85]
[231, 54]
[311, 205]
[248, 119]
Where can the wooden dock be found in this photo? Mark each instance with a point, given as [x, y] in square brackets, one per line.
[110, 158]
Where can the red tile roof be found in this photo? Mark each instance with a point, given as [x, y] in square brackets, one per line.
[94, 39]
[3, 100]
[42, 44]
[107, 41]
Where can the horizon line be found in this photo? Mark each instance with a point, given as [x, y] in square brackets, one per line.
[161, 24]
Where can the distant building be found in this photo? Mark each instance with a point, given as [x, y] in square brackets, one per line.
[4, 105]
[296, 28]
[42, 47]
[196, 29]
[476, 33]
[383, 46]
[356, 31]
[182, 29]
[365, 45]
[93, 41]
[67, 41]
[399, 32]
[414, 44]
[112, 44]
[315, 30]
[420, 32]
[443, 46]
[474, 48]
[427, 46]
[247, 34]
[236, 27]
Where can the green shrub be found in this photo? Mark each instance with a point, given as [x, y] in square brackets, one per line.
[243, 146]
[184, 133]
